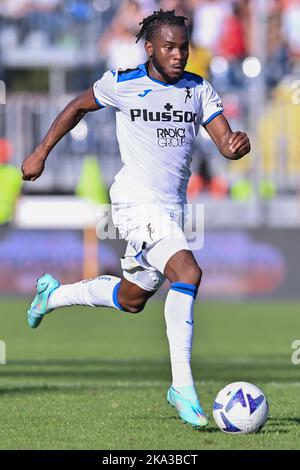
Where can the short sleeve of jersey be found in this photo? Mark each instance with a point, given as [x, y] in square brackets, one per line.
[211, 104]
[105, 90]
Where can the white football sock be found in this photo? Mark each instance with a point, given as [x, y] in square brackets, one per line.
[179, 314]
[98, 292]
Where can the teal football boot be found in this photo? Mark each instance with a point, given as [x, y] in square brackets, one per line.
[185, 400]
[39, 306]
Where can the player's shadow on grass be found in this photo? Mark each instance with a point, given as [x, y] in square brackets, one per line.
[23, 390]
[113, 370]
[174, 419]
[279, 425]
[131, 370]
[274, 425]
[284, 421]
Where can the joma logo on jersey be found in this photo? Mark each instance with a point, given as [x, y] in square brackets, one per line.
[170, 115]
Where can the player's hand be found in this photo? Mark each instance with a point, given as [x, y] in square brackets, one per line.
[33, 166]
[239, 144]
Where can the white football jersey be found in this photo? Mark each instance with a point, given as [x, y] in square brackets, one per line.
[157, 124]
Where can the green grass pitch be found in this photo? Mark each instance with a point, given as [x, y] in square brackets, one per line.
[97, 378]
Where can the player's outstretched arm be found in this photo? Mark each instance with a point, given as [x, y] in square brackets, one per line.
[233, 145]
[33, 165]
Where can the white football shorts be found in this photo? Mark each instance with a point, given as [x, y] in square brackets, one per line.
[154, 234]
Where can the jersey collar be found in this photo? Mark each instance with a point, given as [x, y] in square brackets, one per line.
[144, 67]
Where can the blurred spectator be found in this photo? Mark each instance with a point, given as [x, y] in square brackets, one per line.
[14, 9]
[208, 23]
[231, 42]
[5, 150]
[118, 44]
[291, 26]
[10, 182]
[277, 50]
[182, 7]
[202, 181]
[44, 16]
[44, 5]
[199, 60]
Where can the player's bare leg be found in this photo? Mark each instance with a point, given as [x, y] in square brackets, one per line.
[102, 291]
[131, 297]
[185, 277]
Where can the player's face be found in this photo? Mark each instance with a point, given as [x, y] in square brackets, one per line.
[168, 52]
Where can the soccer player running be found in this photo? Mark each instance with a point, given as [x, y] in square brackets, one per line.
[159, 108]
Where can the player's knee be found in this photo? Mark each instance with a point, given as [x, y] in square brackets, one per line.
[192, 275]
[132, 306]
[197, 274]
[189, 275]
[182, 267]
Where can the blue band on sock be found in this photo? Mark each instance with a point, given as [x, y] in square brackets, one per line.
[191, 287]
[188, 289]
[115, 296]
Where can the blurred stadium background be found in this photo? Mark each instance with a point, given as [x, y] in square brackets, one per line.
[50, 50]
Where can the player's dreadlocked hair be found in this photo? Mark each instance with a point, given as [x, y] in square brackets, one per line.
[153, 22]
